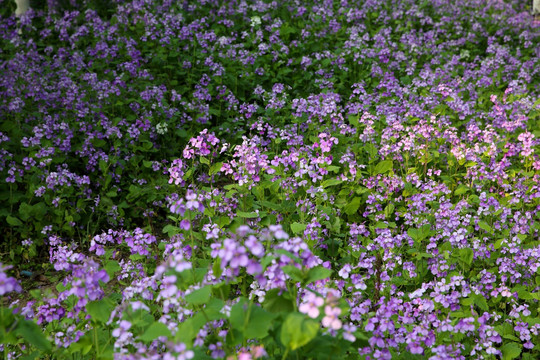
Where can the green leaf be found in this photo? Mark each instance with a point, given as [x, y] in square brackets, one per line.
[188, 174]
[247, 215]
[294, 272]
[331, 182]
[199, 296]
[171, 230]
[154, 331]
[204, 160]
[332, 168]
[510, 351]
[318, 273]
[466, 255]
[215, 168]
[485, 226]
[25, 211]
[297, 330]
[33, 334]
[383, 166]
[100, 310]
[298, 228]
[252, 320]
[462, 189]
[112, 267]
[13, 221]
[352, 207]
[353, 120]
[278, 303]
[389, 210]
[414, 234]
[188, 329]
[481, 302]
[216, 268]
[371, 150]
[32, 356]
[271, 205]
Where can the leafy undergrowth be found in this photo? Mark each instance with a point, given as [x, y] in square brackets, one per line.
[255, 179]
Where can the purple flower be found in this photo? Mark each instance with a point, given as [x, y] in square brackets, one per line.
[7, 284]
[185, 224]
[121, 332]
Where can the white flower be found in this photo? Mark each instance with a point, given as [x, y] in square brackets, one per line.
[161, 128]
[255, 21]
[223, 40]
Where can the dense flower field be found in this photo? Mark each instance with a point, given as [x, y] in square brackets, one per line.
[354, 179]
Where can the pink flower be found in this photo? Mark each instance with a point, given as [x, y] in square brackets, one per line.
[244, 356]
[311, 307]
[331, 319]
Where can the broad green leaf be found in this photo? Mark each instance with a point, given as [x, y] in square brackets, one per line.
[383, 166]
[414, 234]
[485, 226]
[13, 221]
[112, 267]
[332, 168]
[331, 182]
[461, 189]
[371, 150]
[33, 334]
[481, 302]
[276, 302]
[216, 268]
[199, 296]
[318, 273]
[252, 320]
[510, 351]
[389, 210]
[154, 331]
[247, 215]
[171, 230]
[353, 120]
[6, 317]
[32, 356]
[298, 228]
[294, 272]
[215, 168]
[204, 160]
[297, 330]
[100, 310]
[466, 255]
[352, 207]
[25, 211]
[189, 329]
[271, 205]
[188, 174]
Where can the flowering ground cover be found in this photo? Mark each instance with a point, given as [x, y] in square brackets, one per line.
[252, 179]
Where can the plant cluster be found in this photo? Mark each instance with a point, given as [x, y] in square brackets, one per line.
[319, 179]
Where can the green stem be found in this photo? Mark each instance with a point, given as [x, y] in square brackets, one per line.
[285, 354]
[191, 237]
[96, 343]
[246, 321]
